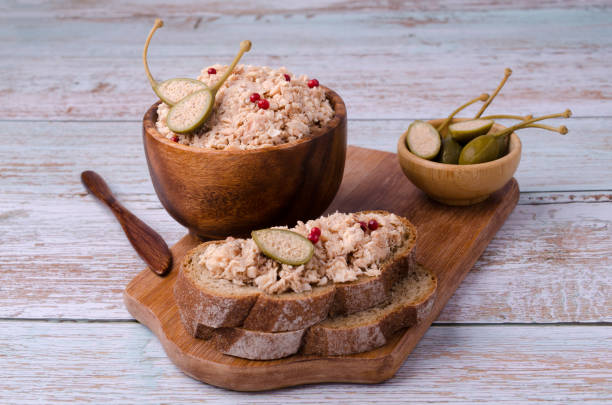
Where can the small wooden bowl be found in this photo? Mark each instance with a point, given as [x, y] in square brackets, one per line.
[459, 184]
[217, 193]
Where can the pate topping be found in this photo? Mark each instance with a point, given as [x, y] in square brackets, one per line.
[344, 252]
[292, 110]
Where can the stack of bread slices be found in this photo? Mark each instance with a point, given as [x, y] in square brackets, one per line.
[334, 319]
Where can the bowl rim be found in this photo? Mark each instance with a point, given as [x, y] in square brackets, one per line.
[514, 147]
[150, 118]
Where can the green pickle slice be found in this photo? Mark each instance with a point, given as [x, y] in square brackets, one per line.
[423, 140]
[191, 112]
[284, 246]
[465, 131]
[172, 91]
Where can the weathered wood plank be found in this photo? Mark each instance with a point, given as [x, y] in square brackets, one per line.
[58, 151]
[66, 257]
[136, 9]
[386, 63]
[194, 30]
[95, 362]
[62, 255]
[559, 271]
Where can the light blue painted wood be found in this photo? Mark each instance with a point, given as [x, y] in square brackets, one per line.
[386, 63]
[58, 151]
[124, 363]
[63, 256]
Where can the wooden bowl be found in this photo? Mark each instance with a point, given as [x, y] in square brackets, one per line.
[217, 193]
[459, 184]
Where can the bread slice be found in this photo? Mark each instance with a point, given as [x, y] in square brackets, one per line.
[206, 303]
[256, 345]
[412, 298]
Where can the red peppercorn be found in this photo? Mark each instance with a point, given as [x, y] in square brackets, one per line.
[373, 224]
[313, 237]
[314, 234]
[363, 225]
[287, 77]
[254, 97]
[313, 83]
[263, 104]
[175, 138]
[212, 71]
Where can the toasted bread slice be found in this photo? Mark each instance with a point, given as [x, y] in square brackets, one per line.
[412, 299]
[205, 302]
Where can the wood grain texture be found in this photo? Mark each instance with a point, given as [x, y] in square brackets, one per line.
[59, 151]
[549, 263]
[373, 180]
[75, 61]
[459, 364]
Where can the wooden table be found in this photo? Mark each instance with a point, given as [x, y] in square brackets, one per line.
[531, 322]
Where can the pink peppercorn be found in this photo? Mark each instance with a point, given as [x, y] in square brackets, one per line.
[287, 77]
[363, 225]
[313, 83]
[175, 138]
[263, 104]
[212, 71]
[373, 224]
[314, 235]
[254, 97]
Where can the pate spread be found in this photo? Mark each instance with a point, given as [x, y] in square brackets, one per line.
[344, 251]
[293, 109]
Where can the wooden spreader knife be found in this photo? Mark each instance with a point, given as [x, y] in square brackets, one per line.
[148, 244]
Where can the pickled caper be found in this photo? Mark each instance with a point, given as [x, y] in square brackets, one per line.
[486, 148]
[482, 144]
[170, 91]
[423, 140]
[284, 246]
[507, 73]
[192, 111]
[479, 150]
[448, 119]
[449, 150]
[465, 131]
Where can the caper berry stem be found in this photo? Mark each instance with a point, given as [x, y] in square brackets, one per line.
[507, 117]
[245, 46]
[158, 24]
[562, 129]
[509, 130]
[444, 123]
[507, 73]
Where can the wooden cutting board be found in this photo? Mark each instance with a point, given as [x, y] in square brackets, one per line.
[450, 240]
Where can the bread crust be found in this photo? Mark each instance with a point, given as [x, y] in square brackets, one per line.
[328, 340]
[367, 292]
[332, 340]
[201, 308]
[290, 311]
[256, 345]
